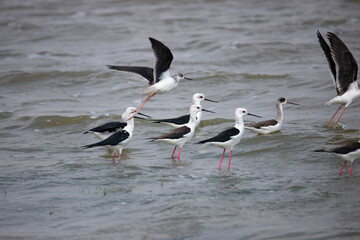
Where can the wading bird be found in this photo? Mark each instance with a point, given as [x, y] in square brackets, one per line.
[117, 141]
[182, 135]
[343, 68]
[272, 125]
[230, 137]
[350, 152]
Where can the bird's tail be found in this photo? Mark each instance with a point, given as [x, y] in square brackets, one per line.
[152, 139]
[89, 146]
[203, 141]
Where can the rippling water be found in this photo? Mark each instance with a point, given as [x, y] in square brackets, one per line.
[54, 86]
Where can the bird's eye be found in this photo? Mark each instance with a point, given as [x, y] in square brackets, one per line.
[244, 111]
[181, 75]
[198, 107]
[201, 96]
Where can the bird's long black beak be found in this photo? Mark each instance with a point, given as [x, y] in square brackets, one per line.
[190, 79]
[254, 115]
[208, 111]
[139, 118]
[206, 99]
[144, 115]
[292, 103]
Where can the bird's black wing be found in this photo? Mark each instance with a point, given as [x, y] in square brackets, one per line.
[113, 140]
[223, 136]
[174, 134]
[350, 147]
[179, 120]
[346, 64]
[266, 123]
[108, 127]
[163, 58]
[332, 68]
[145, 72]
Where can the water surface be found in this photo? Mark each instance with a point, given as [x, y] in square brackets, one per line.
[54, 86]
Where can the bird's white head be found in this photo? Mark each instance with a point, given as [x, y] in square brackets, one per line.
[198, 97]
[194, 110]
[128, 113]
[180, 76]
[241, 112]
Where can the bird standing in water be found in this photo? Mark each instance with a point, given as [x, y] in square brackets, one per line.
[343, 68]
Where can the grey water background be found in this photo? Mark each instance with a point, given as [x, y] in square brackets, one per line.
[54, 86]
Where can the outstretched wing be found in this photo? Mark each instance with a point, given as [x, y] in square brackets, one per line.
[163, 57]
[332, 68]
[145, 72]
[345, 63]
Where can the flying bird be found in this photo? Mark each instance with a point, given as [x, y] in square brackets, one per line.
[343, 68]
[159, 77]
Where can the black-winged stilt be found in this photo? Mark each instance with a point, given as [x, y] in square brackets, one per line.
[105, 130]
[350, 152]
[272, 125]
[182, 120]
[343, 68]
[117, 141]
[230, 137]
[159, 78]
[184, 134]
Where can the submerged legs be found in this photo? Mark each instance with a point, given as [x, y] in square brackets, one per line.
[172, 155]
[343, 168]
[229, 160]
[222, 157]
[328, 122]
[339, 116]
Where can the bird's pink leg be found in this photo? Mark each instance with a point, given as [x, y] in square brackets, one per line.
[339, 117]
[143, 102]
[350, 168]
[119, 157]
[114, 157]
[229, 160]
[172, 155]
[342, 168]
[222, 157]
[178, 156]
[328, 122]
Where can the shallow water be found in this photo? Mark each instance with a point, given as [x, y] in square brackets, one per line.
[54, 86]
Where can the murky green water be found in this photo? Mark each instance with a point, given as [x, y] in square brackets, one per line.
[54, 86]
